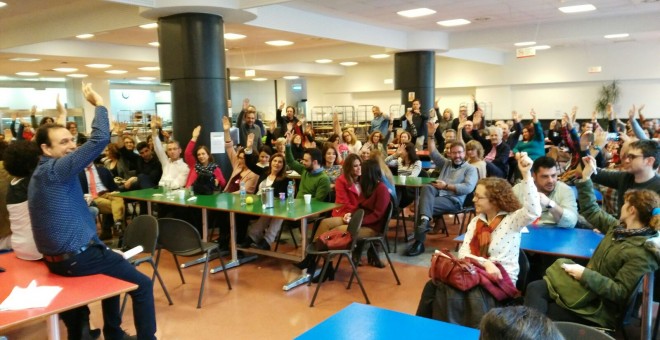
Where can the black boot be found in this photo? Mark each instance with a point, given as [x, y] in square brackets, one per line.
[306, 262]
[329, 274]
[373, 258]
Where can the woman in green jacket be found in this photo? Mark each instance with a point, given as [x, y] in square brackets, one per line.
[629, 250]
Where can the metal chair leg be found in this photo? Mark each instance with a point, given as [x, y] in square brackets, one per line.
[204, 275]
[326, 263]
[398, 282]
[162, 284]
[178, 267]
[364, 292]
[224, 269]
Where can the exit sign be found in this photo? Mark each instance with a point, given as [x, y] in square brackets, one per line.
[525, 52]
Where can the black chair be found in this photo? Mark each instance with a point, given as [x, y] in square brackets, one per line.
[327, 255]
[401, 217]
[523, 264]
[572, 330]
[382, 240]
[182, 239]
[143, 231]
[467, 211]
[316, 220]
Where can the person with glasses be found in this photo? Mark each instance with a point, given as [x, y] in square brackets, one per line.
[456, 180]
[240, 171]
[493, 236]
[641, 164]
[247, 123]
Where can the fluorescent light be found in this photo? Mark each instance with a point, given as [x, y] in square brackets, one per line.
[84, 36]
[139, 82]
[116, 71]
[323, 61]
[76, 75]
[234, 36]
[234, 78]
[388, 81]
[617, 36]
[51, 79]
[149, 26]
[27, 74]
[379, 56]
[290, 77]
[147, 78]
[348, 63]
[65, 69]
[25, 59]
[453, 22]
[578, 8]
[154, 43]
[149, 68]
[279, 43]
[541, 47]
[259, 79]
[98, 65]
[525, 43]
[250, 73]
[417, 12]
[2, 4]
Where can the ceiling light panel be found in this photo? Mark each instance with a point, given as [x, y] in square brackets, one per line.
[453, 22]
[149, 68]
[149, 26]
[577, 8]
[617, 36]
[379, 56]
[234, 36]
[259, 79]
[76, 75]
[65, 69]
[25, 59]
[279, 43]
[415, 13]
[525, 43]
[27, 74]
[84, 36]
[290, 77]
[116, 71]
[348, 63]
[99, 65]
[154, 44]
[323, 61]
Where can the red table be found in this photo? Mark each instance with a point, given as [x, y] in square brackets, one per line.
[76, 291]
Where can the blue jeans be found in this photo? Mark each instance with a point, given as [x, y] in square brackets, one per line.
[98, 259]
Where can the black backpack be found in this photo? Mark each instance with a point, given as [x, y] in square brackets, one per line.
[204, 184]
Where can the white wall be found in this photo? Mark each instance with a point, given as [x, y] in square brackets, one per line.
[260, 93]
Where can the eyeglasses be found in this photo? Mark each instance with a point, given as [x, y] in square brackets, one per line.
[477, 197]
[632, 157]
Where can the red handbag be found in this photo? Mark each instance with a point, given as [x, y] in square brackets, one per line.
[333, 240]
[446, 268]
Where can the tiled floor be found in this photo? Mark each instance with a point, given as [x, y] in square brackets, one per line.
[258, 308]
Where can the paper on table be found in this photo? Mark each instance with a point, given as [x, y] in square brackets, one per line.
[524, 230]
[30, 297]
[293, 173]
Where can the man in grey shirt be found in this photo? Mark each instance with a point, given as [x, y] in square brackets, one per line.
[457, 179]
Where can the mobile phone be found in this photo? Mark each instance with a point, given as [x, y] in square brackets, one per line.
[613, 136]
[396, 123]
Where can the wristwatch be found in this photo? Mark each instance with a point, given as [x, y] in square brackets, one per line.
[551, 204]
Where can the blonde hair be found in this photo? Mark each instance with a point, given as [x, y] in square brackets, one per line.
[384, 169]
[474, 145]
[353, 139]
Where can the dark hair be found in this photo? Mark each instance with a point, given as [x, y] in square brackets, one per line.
[70, 124]
[46, 120]
[326, 147]
[517, 322]
[315, 154]
[530, 130]
[265, 148]
[412, 153]
[347, 167]
[543, 162]
[3, 147]
[333, 138]
[21, 158]
[292, 108]
[371, 176]
[282, 171]
[113, 151]
[42, 136]
[208, 152]
[141, 145]
[649, 148]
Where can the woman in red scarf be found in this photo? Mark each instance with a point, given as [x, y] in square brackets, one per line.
[493, 236]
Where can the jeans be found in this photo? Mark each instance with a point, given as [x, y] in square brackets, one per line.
[98, 259]
[430, 204]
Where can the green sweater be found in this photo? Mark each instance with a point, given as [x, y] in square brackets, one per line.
[316, 184]
[615, 269]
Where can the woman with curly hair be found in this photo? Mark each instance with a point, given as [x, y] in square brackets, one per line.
[493, 236]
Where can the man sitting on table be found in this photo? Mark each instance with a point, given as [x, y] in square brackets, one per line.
[557, 198]
[456, 180]
[65, 232]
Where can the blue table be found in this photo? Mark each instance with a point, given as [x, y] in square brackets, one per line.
[358, 321]
[576, 243]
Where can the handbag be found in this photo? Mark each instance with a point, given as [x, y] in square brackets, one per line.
[334, 240]
[501, 290]
[568, 292]
[446, 268]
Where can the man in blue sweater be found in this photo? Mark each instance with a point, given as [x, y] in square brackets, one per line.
[65, 232]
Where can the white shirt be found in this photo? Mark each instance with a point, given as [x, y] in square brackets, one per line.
[505, 239]
[174, 171]
[562, 196]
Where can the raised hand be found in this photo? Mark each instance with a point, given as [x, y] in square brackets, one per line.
[515, 116]
[272, 126]
[533, 114]
[156, 122]
[600, 137]
[589, 167]
[246, 103]
[58, 105]
[281, 105]
[91, 96]
[524, 163]
[409, 115]
[33, 110]
[226, 123]
[289, 136]
[195, 132]
[477, 118]
[14, 115]
[431, 127]
[435, 104]
[610, 111]
[631, 113]
[593, 116]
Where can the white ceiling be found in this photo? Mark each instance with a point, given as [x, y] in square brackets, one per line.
[341, 30]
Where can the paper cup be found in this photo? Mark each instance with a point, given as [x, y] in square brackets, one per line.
[308, 198]
[403, 178]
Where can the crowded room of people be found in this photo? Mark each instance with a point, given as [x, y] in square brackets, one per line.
[329, 170]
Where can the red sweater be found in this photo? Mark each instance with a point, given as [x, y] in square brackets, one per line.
[347, 195]
[375, 207]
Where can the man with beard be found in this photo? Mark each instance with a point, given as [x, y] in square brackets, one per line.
[557, 199]
[313, 180]
[456, 180]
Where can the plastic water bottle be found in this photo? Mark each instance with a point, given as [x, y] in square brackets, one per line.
[243, 194]
[289, 192]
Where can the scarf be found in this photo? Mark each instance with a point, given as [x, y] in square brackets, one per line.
[481, 239]
[620, 232]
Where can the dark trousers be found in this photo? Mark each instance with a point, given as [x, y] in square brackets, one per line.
[98, 259]
[537, 296]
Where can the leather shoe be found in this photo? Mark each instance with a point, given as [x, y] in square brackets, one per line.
[105, 235]
[415, 249]
[263, 245]
[246, 243]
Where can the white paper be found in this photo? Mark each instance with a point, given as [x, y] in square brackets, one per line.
[30, 297]
[524, 230]
[217, 142]
[132, 252]
[293, 173]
